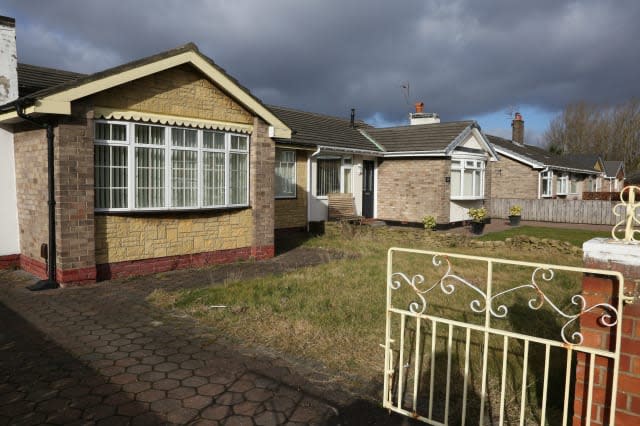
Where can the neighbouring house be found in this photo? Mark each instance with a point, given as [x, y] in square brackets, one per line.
[530, 172]
[330, 154]
[429, 168]
[397, 174]
[161, 163]
[613, 176]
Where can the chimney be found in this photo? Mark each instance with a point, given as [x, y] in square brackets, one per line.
[353, 117]
[517, 129]
[8, 60]
[421, 117]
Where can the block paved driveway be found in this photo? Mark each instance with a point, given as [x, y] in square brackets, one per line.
[102, 355]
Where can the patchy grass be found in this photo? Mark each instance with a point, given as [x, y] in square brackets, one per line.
[573, 236]
[334, 314]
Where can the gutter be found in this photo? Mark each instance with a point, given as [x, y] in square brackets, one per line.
[50, 282]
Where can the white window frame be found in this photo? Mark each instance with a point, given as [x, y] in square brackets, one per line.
[168, 147]
[477, 167]
[573, 180]
[562, 184]
[117, 143]
[294, 174]
[546, 175]
[346, 162]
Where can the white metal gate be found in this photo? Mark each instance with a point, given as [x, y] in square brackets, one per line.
[502, 347]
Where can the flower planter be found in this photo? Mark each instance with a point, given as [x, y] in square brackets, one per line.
[514, 220]
[477, 228]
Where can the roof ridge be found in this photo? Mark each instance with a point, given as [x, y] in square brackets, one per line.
[122, 67]
[317, 114]
[424, 125]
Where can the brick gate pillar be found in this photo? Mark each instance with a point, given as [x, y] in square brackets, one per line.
[605, 254]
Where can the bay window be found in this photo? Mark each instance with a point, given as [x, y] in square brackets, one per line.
[285, 170]
[467, 179]
[151, 167]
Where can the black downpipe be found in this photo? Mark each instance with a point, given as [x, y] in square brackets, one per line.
[50, 282]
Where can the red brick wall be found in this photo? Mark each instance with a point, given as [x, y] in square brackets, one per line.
[599, 289]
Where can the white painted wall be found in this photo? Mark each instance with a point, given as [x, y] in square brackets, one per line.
[9, 235]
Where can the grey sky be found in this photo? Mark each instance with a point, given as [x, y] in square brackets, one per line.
[462, 58]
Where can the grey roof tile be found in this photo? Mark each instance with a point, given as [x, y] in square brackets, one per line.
[539, 155]
[422, 137]
[32, 78]
[309, 128]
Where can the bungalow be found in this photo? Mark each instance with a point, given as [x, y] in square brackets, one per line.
[530, 172]
[398, 174]
[161, 163]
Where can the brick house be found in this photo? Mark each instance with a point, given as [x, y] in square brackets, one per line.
[161, 163]
[397, 174]
[530, 172]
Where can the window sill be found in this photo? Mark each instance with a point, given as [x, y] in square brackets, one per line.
[466, 198]
[288, 197]
[169, 211]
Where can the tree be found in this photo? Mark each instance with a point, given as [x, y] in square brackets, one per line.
[612, 132]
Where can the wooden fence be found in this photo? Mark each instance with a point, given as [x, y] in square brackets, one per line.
[595, 212]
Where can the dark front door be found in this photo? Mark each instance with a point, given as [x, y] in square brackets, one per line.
[367, 188]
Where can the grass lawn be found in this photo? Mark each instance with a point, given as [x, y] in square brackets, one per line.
[334, 314]
[574, 236]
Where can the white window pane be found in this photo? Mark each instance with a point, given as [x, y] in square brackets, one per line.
[477, 183]
[110, 171]
[150, 166]
[347, 181]
[184, 137]
[467, 183]
[456, 183]
[153, 135]
[285, 185]
[213, 140]
[184, 178]
[238, 178]
[213, 165]
[239, 143]
[103, 131]
[118, 132]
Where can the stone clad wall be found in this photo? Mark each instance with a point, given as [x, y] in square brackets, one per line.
[292, 212]
[123, 238]
[410, 189]
[93, 247]
[181, 91]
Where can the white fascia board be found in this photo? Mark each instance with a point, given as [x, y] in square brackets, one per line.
[280, 130]
[413, 154]
[349, 150]
[572, 170]
[520, 158]
[472, 130]
[458, 140]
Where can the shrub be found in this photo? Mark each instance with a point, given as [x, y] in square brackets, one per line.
[478, 215]
[515, 210]
[429, 222]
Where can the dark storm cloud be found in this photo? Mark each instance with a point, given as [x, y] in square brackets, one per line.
[462, 58]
